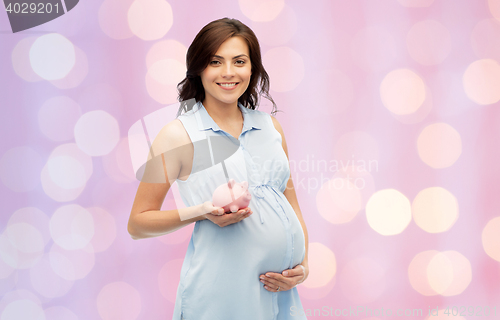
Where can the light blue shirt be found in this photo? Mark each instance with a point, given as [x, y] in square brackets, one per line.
[220, 274]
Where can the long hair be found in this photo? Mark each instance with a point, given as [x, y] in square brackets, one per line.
[200, 52]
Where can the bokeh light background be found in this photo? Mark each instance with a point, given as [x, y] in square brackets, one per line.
[391, 113]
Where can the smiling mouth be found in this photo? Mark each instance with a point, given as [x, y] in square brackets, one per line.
[227, 85]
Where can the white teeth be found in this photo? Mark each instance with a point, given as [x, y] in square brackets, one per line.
[227, 84]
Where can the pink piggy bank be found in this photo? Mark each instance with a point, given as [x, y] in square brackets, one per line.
[232, 196]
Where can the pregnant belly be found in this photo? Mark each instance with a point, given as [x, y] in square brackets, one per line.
[249, 246]
[278, 243]
[236, 255]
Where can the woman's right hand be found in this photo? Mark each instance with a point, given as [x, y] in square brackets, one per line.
[217, 215]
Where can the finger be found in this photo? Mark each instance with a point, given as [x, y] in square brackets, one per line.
[276, 288]
[275, 282]
[298, 270]
[304, 273]
[210, 208]
[216, 214]
[301, 272]
[297, 280]
[217, 211]
[244, 216]
[285, 285]
[270, 285]
[246, 213]
[235, 216]
[231, 217]
[243, 211]
[273, 285]
[240, 215]
[281, 286]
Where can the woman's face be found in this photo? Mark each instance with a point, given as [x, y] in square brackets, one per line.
[228, 73]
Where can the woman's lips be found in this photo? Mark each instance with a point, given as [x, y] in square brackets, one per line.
[229, 88]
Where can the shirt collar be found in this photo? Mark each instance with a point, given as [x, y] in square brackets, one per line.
[206, 122]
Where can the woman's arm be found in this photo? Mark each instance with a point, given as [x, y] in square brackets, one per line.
[173, 150]
[292, 197]
[146, 220]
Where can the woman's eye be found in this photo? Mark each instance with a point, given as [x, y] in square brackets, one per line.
[240, 61]
[214, 62]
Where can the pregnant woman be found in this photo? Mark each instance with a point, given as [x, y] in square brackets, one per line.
[242, 265]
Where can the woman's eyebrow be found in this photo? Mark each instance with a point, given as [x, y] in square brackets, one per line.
[238, 56]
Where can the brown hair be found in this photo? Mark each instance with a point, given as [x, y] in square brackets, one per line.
[200, 52]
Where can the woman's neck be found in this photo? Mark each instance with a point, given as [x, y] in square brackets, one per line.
[223, 113]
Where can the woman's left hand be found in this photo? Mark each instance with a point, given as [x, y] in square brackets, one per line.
[286, 280]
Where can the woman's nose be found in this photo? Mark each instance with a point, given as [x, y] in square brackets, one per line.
[228, 70]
